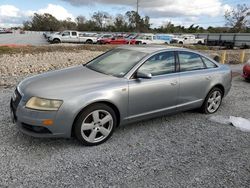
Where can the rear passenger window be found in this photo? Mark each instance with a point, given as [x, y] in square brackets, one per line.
[190, 61]
[208, 63]
[74, 34]
[162, 63]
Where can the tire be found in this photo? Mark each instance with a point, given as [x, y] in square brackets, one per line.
[180, 42]
[56, 41]
[89, 41]
[91, 132]
[212, 101]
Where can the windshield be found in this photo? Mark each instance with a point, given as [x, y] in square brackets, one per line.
[116, 62]
[140, 37]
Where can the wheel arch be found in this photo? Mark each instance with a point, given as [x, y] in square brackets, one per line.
[56, 39]
[89, 40]
[220, 86]
[108, 103]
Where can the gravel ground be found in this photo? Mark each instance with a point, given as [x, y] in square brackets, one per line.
[15, 67]
[182, 150]
[29, 38]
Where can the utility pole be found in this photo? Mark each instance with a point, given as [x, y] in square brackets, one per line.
[137, 6]
[137, 15]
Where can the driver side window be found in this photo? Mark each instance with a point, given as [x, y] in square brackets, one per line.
[159, 64]
[66, 34]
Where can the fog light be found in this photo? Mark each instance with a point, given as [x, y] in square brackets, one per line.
[48, 122]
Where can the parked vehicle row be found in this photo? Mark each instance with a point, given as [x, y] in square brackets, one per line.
[110, 38]
[5, 31]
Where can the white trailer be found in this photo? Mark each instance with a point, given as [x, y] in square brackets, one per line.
[229, 40]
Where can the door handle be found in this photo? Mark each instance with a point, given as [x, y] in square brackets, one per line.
[174, 83]
[208, 77]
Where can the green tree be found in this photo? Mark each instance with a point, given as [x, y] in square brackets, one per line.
[44, 22]
[80, 21]
[120, 23]
[68, 24]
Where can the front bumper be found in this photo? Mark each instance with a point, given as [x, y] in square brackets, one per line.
[30, 122]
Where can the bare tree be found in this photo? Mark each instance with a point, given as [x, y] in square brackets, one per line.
[101, 18]
[238, 18]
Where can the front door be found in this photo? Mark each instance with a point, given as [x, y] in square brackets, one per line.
[158, 94]
[65, 36]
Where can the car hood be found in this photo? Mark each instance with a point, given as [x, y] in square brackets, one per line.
[60, 83]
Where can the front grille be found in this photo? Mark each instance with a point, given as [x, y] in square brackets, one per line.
[15, 102]
[17, 99]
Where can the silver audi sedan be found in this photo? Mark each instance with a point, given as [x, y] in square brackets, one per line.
[121, 86]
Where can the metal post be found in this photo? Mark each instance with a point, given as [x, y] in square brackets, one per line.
[242, 56]
[223, 57]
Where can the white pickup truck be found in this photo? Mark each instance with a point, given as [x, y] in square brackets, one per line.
[152, 39]
[73, 37]
[187, 39]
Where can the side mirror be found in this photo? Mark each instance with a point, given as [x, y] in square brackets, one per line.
[113, 38]
[144, 75]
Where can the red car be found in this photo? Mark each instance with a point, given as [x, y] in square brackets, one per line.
[114, 40]
[246, 71]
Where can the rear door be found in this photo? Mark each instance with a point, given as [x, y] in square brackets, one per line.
[194, 80]
[74, 37]
[158, 94]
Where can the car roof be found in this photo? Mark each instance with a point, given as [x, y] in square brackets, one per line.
[149, 49]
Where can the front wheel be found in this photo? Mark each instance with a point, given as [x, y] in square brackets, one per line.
[213, 101]
[95, 124]
[56, 41]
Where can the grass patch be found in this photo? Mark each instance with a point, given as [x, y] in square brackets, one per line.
[6, 50]
[53, 48]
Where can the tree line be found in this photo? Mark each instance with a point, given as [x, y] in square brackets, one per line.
[237, 20]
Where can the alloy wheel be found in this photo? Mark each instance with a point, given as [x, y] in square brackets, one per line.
[214, 101]
[97, 126]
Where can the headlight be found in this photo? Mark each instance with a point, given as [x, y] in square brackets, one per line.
[37, 103]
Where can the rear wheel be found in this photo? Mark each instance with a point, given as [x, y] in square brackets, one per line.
[247, 79]
[213, 101]
[95, 124]
[89, 41]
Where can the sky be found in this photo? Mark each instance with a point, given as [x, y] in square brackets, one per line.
[180, 12]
